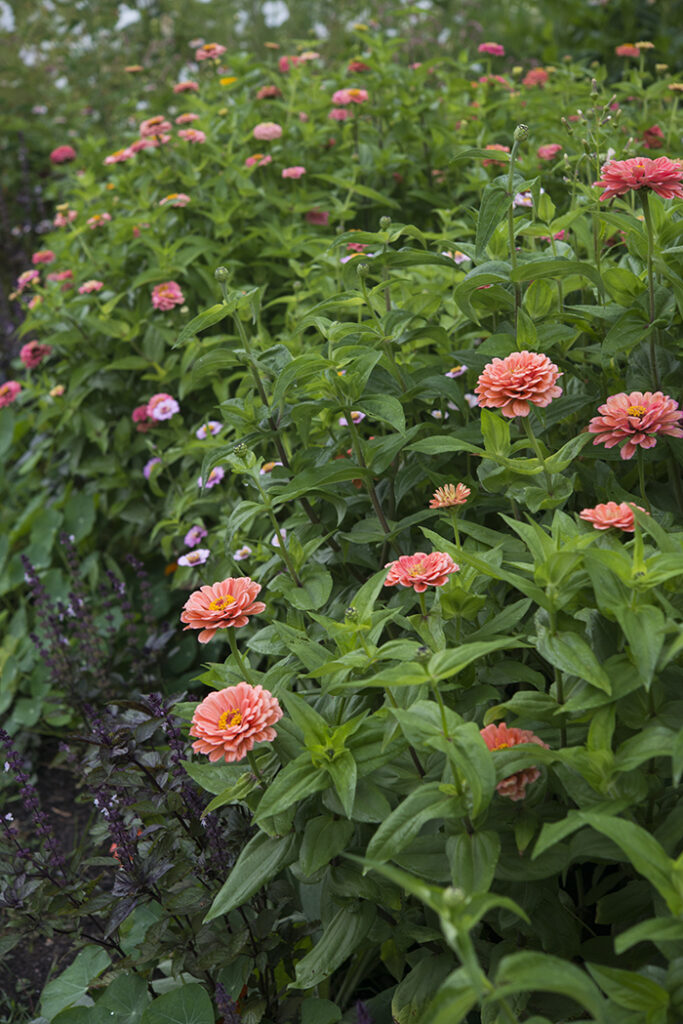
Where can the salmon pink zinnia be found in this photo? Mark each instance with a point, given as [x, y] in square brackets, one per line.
[226, 604]
[517, 382]
[612, 514]
[167, 295]
[420, 570]
[8, 392]
[209, 51]
[266, 131]
[662, 175]
[229, 722]
[502, 737]
[449, 496]
[550, 151]
[636, 418]
[293, 172]
[33, 353]
[342, 97]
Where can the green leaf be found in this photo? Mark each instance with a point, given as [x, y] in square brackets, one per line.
[445, 664]
[301, 369]
[210, 316]
[468, 753]
[312, 725]
[124, 1000]
[341, 938]
[473, 858]
[296, 781]
[215, 777]
[540, 267]
[319, 1011]
[570, 653]
[344, 774]
[657, 929]
[454, 1000]
[324, 838]
[361, 190]
[260, 860]
[189, 1004]
[495, 203]
[406, 820]
[74, 982]
[630, 990]
[539, 972]
[385, 408]
[645, 630]
[496, 432]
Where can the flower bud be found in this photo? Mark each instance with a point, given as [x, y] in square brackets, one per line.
[241, 450]
[521, 133]
[595, 88]
[351, 614]
[385, 223]
[362, 269]
[221, 274]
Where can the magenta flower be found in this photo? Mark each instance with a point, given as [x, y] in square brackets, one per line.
[33, 353]
[62, 155]
[293, 172]
[211, 427]
[493, 49]
[214, 477]
[167, 295]
[90, 286]
[197, 557]
[194, 536]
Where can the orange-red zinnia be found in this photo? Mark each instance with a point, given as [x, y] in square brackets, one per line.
[517, 382]
[501, 737]
[222, 605]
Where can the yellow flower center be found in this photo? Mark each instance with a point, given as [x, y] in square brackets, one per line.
[455, 369]
[354, 92]
[501, 746]
[219, 604]
[417, 569]
[636, 410]
[230, 718]
[267, 467]
[193, 557]
[229, 80]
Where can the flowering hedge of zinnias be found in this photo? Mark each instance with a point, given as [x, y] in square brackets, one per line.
[457, 704]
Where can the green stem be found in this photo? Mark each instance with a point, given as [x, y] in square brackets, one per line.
[442, 708]
[255, 769]
[370, 487]
[537, 449]
[239, 660]
[511, 223]
[281, 547]
[454, 524]
[423, 607]
[413, 752]
[641, 478]
[559, 688]
[654, 333]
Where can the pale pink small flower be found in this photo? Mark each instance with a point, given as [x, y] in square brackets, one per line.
[449, 496]
[493, 49]
[208, 429]
[550, 151]
[33, 353]
[662, 175]
[167, 295]
[266, 131]
[420, 570]
[456, 371]
[209, 51]
[293, 172]
[517, 382]
[223, 605]
[438, 415]
[154, 126]
[27, 278]
[356, 417]
[149, 466]
[636, 418]
[119, 156]
[242, 553]
[523, 199]
[258, 160]
[162, 407]
[303, 116]
[343, 97]
[8, 392]
[457, 256]
[502, 737]
[194, 536]
[97, 220]
[214, 477]
[186, 87]
[44, 256]
[612, 514]
[64, 218]
[197, 557]
[186, 118]
[90, 286]
[229, 722]
[338, 114]
[175, 199]
[275, 539]
[192, 135]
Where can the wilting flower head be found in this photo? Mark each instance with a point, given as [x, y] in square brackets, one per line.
[195, 535]
[140, 416]
[537, 76]
[356, 417]
[493, 49]
[162, 407]
[229, 722]
[167, 295]
[197, 557]
[90, 286]
[357, 66]
[612, 514]
[343, 97]
[293, 172]
[502, 737]
[211, 427]
[420, 570]
[33, 353]
[268, 92]
[627, 50]
[338, 114]
[456, 371]
[550, 151]
[119, 156]
[214, 477]
[8, 392]
[316, 216]
[27, 278]
[662, 175]
[44, 256]
[186, 118]
[449, 496]
[149, 466]
[209, 51]
[267, 130]
[517, 382]
[242, 553]
[154, 126]
[258, 160]
[98, 219]
[653, 138]
[221, 606]
[62, 155]
[186, 87]
[192, 135]
[637, 419]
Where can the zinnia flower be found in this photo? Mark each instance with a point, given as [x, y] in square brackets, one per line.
[449, 496]
[167, 295]
[27, 278]
[550, 151]
[515, 383]
[502, 737]
[175, 199]
[338, 114]
[229, 722]
[64, 218]
[154, 126]
[192, 135]
[119, 156]
[343, 97]
[456, 371]
[209, 51]
[493, 49]
[627, 50]
[98, 219]
[420, 570]
[221, 606]
[612, 514]
[316, 216]
[537, 76]
[140, 416]
[293, 172]
[197, 557]
[356, 417]
[57, 391]
[8, 392]
[268, 92]
[267, 131]
[358, 66]
[62, 155]
[44, 256]
[636, 418]
[496, 163]
[90, 286]
[662, 175]
[33, 353]
[186, 87]
[211, 427]
[64, 276]
[194, 536]
[258, 160]
[242, 553]
[214, 477]
[186, 118]
[149, 466]
[268, 467]
[162, 407]
[653, 138]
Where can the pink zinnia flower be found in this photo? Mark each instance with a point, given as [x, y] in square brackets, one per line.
[338, 114]
[627, 50]
[420, 570]
[268, 92]
[63, 276]
[119, 156]
[211, 427]
[229, 722]
[449, 496]
[147, 143]
[266, 131]
[612, 514]
[27, 278]
[258, 160]
[98, 219]
[493, 49]
[653, 138]
[636, 418]
[154, 126]
[496, 163]
[242, 553]
[62, 155]
[149, 466]
[316, 216]
[186, 87]
[357, 66]
[175, 199]
[457, 256]
[550, 151]
[456, 371]
[186, 118]
[662, 175]
[537, 76]
[293, 172]
[221, 606]
[209, 51]
[214, 477]
[8, 392]
[33, 353]
[43, 256]
[197, 557]
[194, 536]
[90, 286]
[343, 97]
[356, 417]
[502, 737]
[63, 219]
[517, 382]
[141, 417]
[162, 407]
[192, 135]
[167, 295]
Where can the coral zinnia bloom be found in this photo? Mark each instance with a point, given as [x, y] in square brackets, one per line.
[550, 151]
[449, 496]
[537, 76]
[229, 722]
[225, 604]
[43, 256]
[209, 51]
[420, 570]
[258, 160]
[637, 419]
[91, 286]
[186, 87]
[8, 392]
[267, 131]
[515, 383]
[342, 97]
[192, 135]
[662, 175]
[612, 514]
[154, 126]
[495, 163]
[167, 295]
[501, 737]
[627, 50]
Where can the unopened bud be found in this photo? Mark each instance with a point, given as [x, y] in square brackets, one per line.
[423, 651]
[385, 223]
[362, 269]
[595, 88]
[521, 133]
[351, 614]
[241, 449]
[221, 274]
